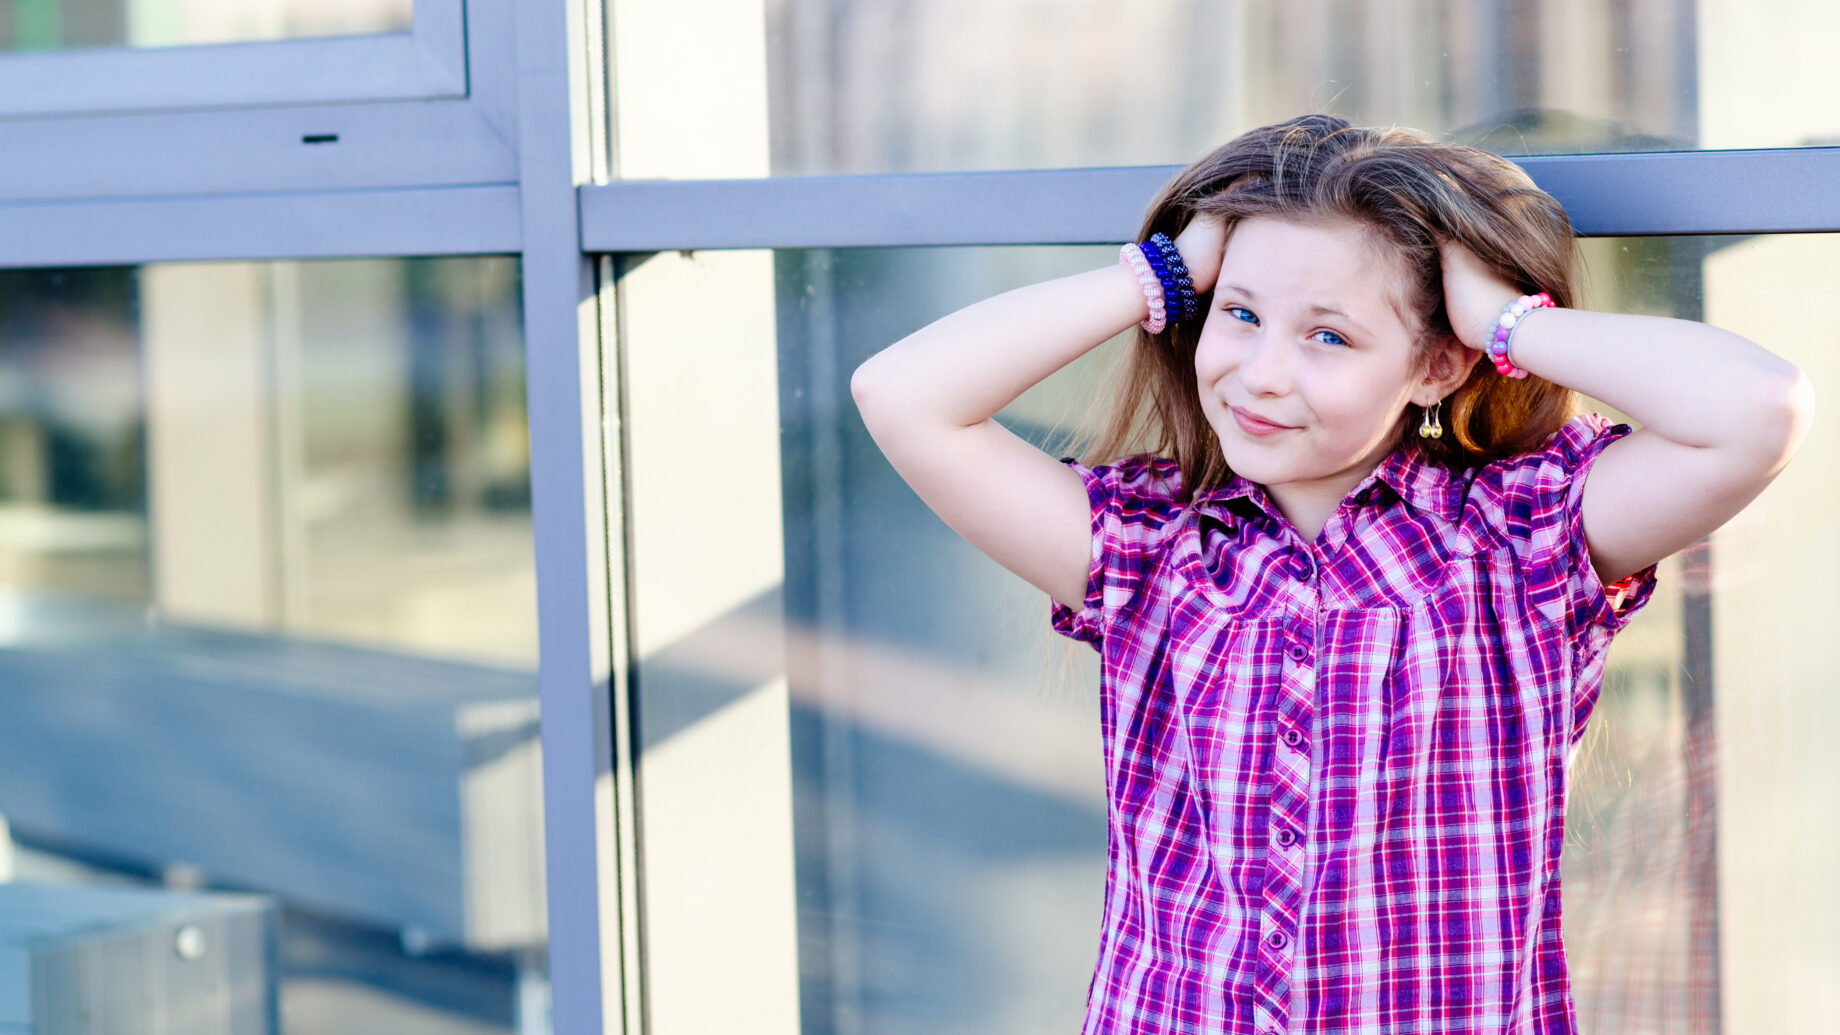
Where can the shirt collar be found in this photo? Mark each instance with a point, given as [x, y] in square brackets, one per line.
[1404, 472]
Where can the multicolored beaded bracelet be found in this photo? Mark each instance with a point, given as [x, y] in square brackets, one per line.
[1133, 259]
[1497, 343]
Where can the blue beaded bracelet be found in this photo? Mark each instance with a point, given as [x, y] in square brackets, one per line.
[1186, 303]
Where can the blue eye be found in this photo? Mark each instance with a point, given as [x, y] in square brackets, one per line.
[1339, 340]
[1234, 309]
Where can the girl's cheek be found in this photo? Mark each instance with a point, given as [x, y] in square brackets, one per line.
[1213, 353]
[1208, 363]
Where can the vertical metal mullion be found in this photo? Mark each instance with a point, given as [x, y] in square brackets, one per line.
[1700, 761]
[623, 691]
[825, 738]
[570, 517]
[1699, 703]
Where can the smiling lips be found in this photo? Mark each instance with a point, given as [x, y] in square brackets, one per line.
[1258, 426]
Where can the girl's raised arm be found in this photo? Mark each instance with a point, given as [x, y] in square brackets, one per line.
[1720, 416]
[928, 401]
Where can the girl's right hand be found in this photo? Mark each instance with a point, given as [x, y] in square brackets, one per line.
[1203, 244]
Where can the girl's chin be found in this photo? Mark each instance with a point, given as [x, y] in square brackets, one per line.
[1264, 469]
[1269, 467]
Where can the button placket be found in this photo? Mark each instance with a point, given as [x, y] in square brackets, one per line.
[1303, 569]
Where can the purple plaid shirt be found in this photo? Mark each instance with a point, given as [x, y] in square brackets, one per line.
[1336, 772]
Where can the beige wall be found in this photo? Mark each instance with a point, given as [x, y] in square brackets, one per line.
[1762, 81]
[1775, 609]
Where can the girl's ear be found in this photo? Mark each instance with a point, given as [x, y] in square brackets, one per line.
[1447, 366]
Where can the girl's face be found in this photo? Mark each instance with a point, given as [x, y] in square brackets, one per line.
[1304, 367]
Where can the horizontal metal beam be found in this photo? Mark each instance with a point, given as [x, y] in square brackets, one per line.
[1681, 192]
[477, 220]
[1048, 207]
[1785, 190]
[1794, 190]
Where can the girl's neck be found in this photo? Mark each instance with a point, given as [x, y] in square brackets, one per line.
[1307, 512]
[1308, 506]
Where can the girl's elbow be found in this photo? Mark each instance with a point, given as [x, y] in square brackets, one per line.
[1801, 409]
[1783, 418]
[867, 385]
[859, 382]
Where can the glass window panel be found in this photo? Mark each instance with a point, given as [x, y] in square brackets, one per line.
[52, 25]
[1693, 888]
[865, 86]
[948, 810]
[268, 621]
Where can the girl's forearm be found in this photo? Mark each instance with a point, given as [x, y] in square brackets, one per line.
[1688, 382]
[964, 367]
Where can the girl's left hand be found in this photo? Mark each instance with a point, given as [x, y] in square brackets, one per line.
[1202, 245]
[1473, 293]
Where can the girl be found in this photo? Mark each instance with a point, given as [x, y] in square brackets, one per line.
[1352, 609]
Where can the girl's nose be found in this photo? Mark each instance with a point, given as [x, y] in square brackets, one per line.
[1265, 368]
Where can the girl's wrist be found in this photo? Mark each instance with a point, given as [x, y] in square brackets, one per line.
[1134, 308]
[1476, 330]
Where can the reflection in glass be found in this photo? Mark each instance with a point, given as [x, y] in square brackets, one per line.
[267, 618]
[72, 483]
[949, 810]
[949, 799]
[868, 86]
[50, 25]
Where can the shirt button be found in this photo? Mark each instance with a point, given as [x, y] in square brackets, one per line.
[1276, 939]
[1299, 652]
[1301, 568]
[1293, 737]
[1286, 835]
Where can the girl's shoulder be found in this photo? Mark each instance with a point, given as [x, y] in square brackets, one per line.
[1534, 500]
[1534, 503]
[1580, 437]
[1145, 477]
[1140, 493]
[1564, 458]
[1136, 501]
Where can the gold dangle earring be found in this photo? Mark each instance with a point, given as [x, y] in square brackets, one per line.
[1433, 424]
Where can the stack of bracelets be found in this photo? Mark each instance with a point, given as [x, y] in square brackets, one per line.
[1501, 334]
[1164, 278]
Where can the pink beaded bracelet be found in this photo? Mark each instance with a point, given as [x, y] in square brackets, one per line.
[1503, 330]
[1133, 257]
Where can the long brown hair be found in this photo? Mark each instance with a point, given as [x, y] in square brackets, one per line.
[1407, 190]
